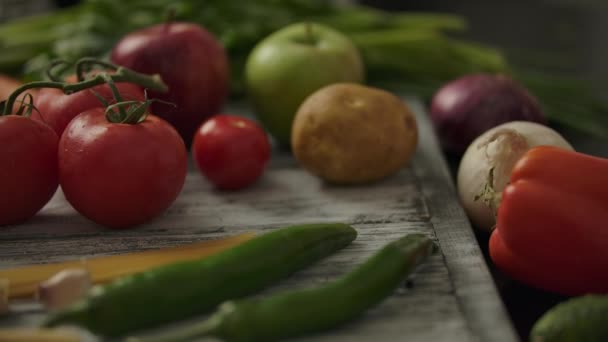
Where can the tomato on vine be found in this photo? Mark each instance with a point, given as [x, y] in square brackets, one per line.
[57, 109]
[119, 167]
[121, 171]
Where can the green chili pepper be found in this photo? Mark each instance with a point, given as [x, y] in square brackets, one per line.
[184, 289]
[298, 312]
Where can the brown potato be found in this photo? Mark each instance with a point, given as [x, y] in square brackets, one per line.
[349, 134]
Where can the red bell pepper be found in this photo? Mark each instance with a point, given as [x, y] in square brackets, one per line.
[552, 223]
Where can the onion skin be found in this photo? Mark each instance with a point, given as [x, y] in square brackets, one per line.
[465, 108]
[497, 149]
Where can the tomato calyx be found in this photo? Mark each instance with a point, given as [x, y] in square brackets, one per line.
[118, 74]
[136, 112]
[126, 112]
[26, 106]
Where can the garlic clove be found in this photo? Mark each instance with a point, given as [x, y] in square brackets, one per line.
[64, 288]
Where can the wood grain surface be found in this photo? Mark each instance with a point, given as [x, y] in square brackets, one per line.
[450, 298]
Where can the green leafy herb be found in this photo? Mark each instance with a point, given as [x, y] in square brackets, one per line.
[412, 52]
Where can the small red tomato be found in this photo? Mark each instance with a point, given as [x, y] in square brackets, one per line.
[121, 175]
[231, 151]
[57, 109]
[28, 167]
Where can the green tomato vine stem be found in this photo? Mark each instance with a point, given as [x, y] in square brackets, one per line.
[137, 112]
[153, 82]
[121, 109]
[83, 63]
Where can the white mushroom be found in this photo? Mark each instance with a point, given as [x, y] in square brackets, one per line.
[489, 160]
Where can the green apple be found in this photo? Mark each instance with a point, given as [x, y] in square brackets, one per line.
[292, 63]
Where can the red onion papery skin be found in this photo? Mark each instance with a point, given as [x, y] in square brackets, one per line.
[465, 108]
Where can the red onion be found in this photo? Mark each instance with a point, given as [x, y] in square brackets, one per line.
[465, 108]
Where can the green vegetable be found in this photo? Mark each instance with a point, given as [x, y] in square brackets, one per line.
[299, 312]
[579, 319]
[410, 52]
[180, 290]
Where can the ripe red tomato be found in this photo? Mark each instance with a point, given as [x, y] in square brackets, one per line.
[231, 151]
[28, 167]
[57, 109]
[121, 175]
